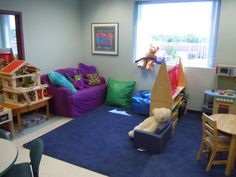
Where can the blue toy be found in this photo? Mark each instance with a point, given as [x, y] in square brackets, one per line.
[140, 102]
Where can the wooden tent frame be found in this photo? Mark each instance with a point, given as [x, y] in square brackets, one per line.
[161, 91]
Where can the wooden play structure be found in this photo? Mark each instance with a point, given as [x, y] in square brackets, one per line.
[21, 84]
[169, 89]
[223, 98]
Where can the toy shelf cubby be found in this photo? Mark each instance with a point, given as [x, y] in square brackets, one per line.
[169, 89]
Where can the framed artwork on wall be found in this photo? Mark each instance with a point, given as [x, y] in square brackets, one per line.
[105, 38]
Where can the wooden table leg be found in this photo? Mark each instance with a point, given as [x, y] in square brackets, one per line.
[47, 109]
[11, 125]
[231, 156]
[19, 120]
[12, 129]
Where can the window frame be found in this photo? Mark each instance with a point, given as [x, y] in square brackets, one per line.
[211, 60]
[19, 31]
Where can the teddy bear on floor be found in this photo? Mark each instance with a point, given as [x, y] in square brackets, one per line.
[147, 62]
[150, 124]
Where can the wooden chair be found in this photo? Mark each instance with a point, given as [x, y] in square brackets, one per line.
[212, 141]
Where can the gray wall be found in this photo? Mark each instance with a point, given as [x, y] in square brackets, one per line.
[122, 67]
[52, 34]
[118, 67]
[57, 33]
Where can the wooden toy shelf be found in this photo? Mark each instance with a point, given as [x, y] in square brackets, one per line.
[168, 89]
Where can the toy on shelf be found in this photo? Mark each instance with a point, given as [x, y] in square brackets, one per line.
[21, 84]
[223, 98]
[150, 58]
[168, 89]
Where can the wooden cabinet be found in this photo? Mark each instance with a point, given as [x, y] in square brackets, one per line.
[168, 89]
[6, 117]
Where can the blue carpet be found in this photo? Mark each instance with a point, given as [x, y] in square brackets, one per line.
[179, 156]
[98, 141]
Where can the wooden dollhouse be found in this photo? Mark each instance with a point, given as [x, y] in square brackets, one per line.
[169, 89]
[21, 84]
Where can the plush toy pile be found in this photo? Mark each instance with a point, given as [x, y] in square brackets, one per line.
[150, 124]
[150, 58]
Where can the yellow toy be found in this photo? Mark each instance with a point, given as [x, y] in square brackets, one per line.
[150, 124]
[150, 58]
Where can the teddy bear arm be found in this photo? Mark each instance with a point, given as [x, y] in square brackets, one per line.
[141, 126]
[142, 64]
[151, 128]
[146, 123]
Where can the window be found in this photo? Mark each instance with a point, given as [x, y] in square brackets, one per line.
[178, 28]
[10, 38]
[8, 32]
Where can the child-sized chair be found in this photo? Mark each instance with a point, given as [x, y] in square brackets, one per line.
[212, 141]
[153, 142]
[24, 169]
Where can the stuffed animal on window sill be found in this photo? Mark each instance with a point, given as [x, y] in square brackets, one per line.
[150, 124]
[150, 58]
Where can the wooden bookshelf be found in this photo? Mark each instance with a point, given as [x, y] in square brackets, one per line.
[163, 96]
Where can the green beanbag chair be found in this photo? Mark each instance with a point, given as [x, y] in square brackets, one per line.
[119, 93]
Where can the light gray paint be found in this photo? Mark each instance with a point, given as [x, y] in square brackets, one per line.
[226, 52]
[53, 39]
[52, 34]
[119, 67]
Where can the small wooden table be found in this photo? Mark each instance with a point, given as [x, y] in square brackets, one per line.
[8, 154]
[227, 124]
[18, 110]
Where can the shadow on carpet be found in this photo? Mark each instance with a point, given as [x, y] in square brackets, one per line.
[98, 141]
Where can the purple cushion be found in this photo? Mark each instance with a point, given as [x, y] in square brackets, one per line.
[80, 84]
[86, 69]
[68, 71]
[67, 76]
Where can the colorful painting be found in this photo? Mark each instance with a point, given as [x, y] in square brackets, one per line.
[105, 38]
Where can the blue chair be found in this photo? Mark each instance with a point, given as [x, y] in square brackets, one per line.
[24, 169]
[153, 142]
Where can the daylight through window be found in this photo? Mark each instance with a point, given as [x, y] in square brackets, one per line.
[185, 29]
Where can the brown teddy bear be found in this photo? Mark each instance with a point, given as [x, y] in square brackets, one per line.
[147, 62]
[150, 124]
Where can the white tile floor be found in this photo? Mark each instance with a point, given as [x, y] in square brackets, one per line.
[51, 167]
